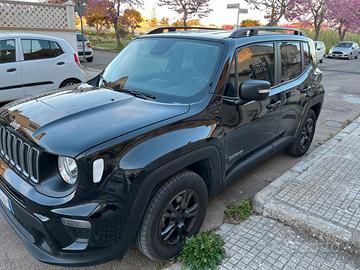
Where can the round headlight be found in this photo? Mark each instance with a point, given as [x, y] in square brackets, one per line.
[68, 169]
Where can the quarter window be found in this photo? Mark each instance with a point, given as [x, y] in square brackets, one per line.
[35, 49]
[7, 51]
[291, 66]
[257, 63]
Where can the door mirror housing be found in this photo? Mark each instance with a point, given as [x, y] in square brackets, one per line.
[257, 90]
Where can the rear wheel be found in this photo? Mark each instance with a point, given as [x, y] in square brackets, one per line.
[304, 139]
[90, 59]
[322, 60]
[69, 82]
[176, 212]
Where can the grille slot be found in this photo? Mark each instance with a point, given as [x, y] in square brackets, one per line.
[19, 155]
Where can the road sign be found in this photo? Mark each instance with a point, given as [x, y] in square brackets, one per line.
[243, 11]
[233, 6]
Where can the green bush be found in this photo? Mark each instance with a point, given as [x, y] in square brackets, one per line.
[238, 212]
[203, 251]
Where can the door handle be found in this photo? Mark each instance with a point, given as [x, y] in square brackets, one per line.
[60, 63]
[11, 70]
[275, 105]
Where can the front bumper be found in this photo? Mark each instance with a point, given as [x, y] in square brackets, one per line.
[40, 224]
[331, 55]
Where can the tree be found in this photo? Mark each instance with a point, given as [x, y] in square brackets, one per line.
[194, 22]
[313, 11]
[116, 15]
[188, 8]
[250, 23]
[131, 20]
[275, 9]
[164, 22]
[343, 18]
[98, 13]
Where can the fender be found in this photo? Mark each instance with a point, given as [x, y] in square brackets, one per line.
[152, 182]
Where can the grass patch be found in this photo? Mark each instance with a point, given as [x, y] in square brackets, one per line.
[203, 251]
[238, 212]
[109, 44]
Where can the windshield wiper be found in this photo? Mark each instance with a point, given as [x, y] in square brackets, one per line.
[137, 94]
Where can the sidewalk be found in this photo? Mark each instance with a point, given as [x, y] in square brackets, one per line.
[310, 216]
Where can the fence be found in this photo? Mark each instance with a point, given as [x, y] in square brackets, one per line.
[39, 18]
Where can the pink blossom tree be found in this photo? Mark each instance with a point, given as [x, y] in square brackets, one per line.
[344, 16]
[310, 11]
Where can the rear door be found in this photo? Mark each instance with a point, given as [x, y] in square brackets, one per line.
[251, 125]
[11, 84]
[44, 65]
[296, 78]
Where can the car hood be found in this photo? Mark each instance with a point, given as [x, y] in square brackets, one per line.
[68, 122]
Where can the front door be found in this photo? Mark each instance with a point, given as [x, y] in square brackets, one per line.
[251, 125]
[11, 85]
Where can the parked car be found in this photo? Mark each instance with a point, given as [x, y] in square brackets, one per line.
[345, 49]
[34, 64]
[136, 153]
[89, 54]
[320, 51]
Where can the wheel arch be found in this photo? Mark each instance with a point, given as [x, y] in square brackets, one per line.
[69, 79]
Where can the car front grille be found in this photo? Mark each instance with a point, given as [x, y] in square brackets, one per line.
[19, 155]
[337, 53]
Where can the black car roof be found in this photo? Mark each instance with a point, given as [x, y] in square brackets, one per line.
[242, 35]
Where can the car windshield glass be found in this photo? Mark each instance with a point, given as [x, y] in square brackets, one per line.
[170, 69]
[80, 38]
[344, 45]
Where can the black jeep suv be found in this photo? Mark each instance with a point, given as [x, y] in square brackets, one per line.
[134, 154]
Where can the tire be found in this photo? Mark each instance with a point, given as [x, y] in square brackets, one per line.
[322, 60]
[69, 82]
[357, 56]
[90, 59]
[350, 57]
[304, 139]
[159, 218]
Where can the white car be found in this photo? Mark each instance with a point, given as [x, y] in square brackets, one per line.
[89, 54]
[33, 64]
[320, 51]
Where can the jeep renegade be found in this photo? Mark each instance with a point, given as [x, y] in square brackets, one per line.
[134, 154]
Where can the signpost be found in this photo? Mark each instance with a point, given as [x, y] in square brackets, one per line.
[240, 11]
[80, 9]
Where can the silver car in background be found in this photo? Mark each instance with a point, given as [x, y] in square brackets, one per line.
[89, 54]
[345, 49]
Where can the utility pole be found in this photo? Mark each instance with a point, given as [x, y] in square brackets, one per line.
[80, 9]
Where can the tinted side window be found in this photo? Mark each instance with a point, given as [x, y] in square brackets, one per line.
[257, 62]
[35, 49]
[7, 51]
[290, 60]
[56, 50]
[80, 38]
[307, 56]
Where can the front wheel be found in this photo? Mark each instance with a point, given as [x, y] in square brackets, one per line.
[304, 139]
[176, 212]
[350, 57]
[90, 59]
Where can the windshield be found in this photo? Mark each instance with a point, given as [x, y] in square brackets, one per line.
[80, 38]
[344, 45]
[170, 69]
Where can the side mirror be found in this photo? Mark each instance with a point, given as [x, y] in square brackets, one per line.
[255, 90]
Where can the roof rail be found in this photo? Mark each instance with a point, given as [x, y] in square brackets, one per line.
[254, 31]
[175, 28]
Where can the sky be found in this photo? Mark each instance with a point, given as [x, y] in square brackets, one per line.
[220, 15]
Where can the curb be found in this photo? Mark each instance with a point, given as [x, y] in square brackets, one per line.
[265, 204]
[105, 50]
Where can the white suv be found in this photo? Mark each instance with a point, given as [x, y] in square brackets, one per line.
[33, 64]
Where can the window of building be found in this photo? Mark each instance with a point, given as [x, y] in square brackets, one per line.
[7, 51]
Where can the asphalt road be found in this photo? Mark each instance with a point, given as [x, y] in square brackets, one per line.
[342, 103]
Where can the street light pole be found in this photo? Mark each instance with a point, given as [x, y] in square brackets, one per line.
[239, 10]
